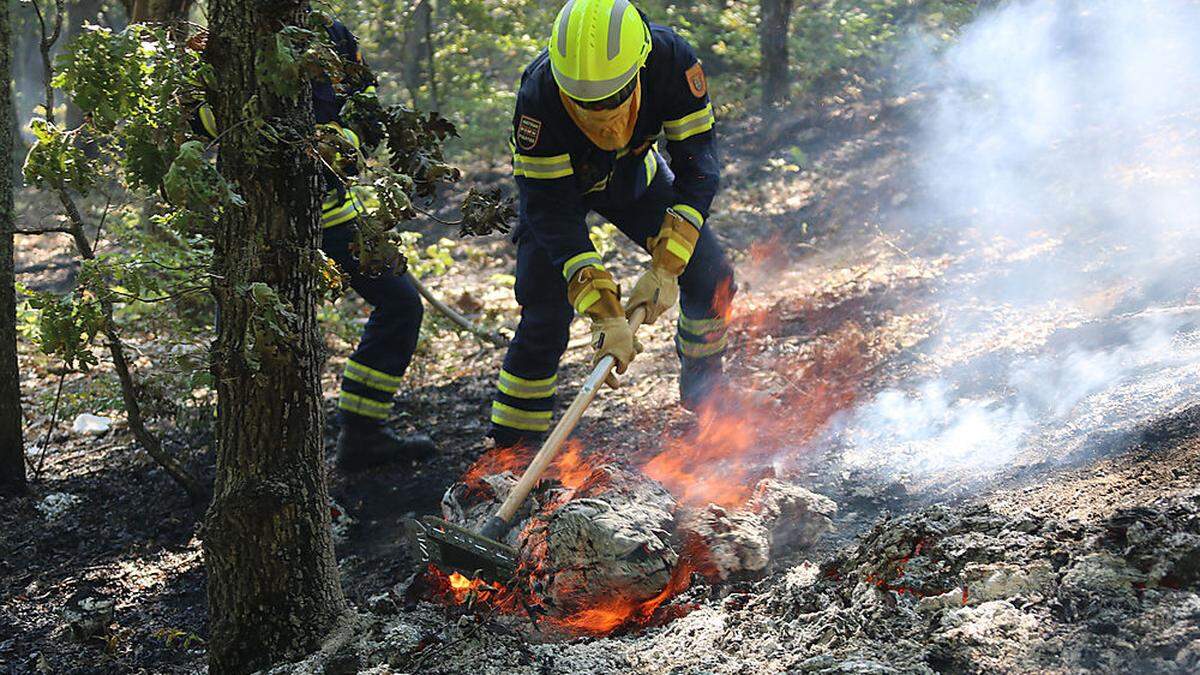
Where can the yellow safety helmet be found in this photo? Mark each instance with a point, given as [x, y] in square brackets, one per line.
[597, 47]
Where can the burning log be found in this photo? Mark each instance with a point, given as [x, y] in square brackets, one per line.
[602, 546]
[610, 538]
[471, 503]
[739, 542]
[795, 517]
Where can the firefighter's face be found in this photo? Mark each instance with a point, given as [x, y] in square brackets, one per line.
[610, 128]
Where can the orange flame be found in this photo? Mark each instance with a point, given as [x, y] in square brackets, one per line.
[610, 615]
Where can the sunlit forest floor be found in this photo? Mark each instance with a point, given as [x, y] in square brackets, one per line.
[1021, 564]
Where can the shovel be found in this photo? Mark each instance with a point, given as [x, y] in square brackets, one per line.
[453, 548]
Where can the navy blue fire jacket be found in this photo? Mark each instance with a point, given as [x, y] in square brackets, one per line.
[561, 175]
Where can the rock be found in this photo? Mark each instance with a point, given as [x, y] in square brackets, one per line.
[342, 522]
[799, 577]
[988, 622]
[91, 425]
[999, 581]
[88, 614]
[54, 505]
[936, 603]
[1101, 573]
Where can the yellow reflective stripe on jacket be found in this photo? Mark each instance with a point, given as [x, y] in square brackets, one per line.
[519, 387]
[690, 125]
[576, 263]
[529, 166]
[679, 250]
[651, 165]
[689, 214]
[334, 212]
[372, 378]
[361, 405]
[208, 120]
[525, 420]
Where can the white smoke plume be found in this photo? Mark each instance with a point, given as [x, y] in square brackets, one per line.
[1061, 140]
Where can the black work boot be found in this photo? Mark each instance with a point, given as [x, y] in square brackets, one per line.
[699, 380]
[362, 446]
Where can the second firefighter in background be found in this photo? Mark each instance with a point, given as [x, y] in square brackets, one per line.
[589, 113]
[373, 373]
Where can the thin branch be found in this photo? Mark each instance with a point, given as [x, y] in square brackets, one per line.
[48, 230]
[103, 217]
[221, 135]
[434, 218]
[116, 348]
[460, 320]
[131, 297]
[37, 472]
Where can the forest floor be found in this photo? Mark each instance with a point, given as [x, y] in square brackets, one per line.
[1072, 548]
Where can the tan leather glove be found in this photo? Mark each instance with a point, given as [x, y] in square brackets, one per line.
[657, 290]
[613, 336]
[593, 292]
[670, 251]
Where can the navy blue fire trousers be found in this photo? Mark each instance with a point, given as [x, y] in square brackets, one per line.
[372, 374]
[528, 383]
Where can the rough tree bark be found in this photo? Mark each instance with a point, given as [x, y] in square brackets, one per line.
[273, 590]
[12, 445]
[773, 42]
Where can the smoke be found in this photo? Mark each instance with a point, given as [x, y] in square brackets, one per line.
[1060, 142]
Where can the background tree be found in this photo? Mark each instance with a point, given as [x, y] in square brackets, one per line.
[773, 37]
[56, 162]
[273, 590]
[12, 445]
[160, 11]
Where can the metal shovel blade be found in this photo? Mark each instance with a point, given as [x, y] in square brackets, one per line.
[453, 548]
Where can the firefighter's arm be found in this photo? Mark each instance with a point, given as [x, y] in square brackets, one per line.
[549, 206]
[548, 200]
[690, 138]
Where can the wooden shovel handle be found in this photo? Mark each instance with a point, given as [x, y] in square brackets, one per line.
[554, 442]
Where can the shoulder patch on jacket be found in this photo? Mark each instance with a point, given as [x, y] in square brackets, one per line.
[696, 80]
[529, 130]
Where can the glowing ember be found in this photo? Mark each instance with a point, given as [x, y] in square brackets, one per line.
[610, 615]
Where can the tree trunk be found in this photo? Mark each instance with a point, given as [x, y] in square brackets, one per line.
[12, 445]
[273, 588]
[415, 49]
[773, 41]
[160, 11]
[430, 51]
